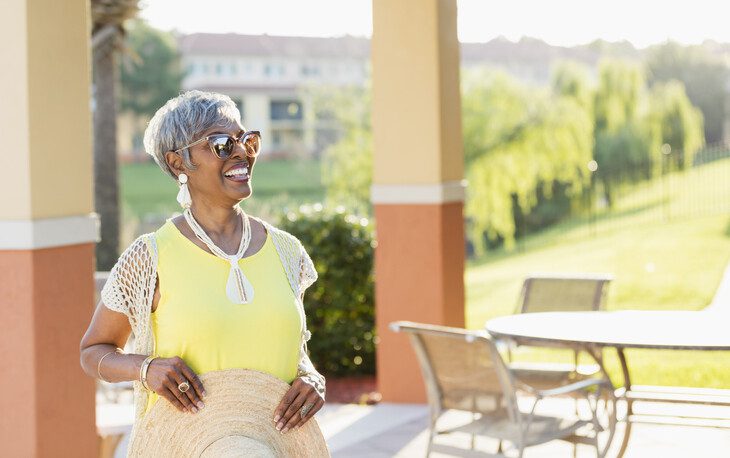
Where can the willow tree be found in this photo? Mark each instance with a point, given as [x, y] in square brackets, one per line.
[518, 141]
[679, 122]
[624, 138]
[571, 79]
[108, 17]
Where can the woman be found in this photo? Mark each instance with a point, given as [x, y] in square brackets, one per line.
[211, 289]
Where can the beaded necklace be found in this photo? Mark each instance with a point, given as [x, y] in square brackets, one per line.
[238, 289]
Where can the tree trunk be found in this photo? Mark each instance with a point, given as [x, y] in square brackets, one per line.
[106, 199]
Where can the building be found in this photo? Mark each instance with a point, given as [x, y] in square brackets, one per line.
[268, 77]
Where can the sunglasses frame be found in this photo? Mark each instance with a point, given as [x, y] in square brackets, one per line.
[237, 139]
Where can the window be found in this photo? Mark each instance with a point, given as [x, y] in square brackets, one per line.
[282, 110]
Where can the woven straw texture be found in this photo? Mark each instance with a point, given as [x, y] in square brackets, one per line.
[237, 421]
[131, 285]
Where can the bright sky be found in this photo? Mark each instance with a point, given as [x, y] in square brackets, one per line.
[558, 22]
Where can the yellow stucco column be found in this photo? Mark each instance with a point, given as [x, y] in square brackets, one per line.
[418, 191]
[47, 231]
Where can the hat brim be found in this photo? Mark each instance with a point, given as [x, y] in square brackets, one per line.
[239, 402]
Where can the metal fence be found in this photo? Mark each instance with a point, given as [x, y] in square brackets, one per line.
[701, 189]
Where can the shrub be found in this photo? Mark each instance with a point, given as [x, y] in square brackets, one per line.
[340, 305]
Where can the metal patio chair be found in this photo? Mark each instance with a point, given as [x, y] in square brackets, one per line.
[463, 370]
[559, 293]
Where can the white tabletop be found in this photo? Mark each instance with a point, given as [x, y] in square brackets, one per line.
[679, 330]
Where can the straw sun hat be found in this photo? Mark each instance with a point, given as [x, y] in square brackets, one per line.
[237, 421]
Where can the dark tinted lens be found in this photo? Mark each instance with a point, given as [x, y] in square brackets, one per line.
[222, 146]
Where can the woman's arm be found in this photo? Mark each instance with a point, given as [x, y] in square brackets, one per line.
[110, 330]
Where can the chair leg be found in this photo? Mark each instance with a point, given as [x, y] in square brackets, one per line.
[433, 417]
[430, 443]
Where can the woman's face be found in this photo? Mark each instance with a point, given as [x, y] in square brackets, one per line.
[212, 182]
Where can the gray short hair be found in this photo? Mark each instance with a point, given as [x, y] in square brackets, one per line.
[182, 119]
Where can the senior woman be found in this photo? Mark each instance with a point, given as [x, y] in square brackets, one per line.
[211, 289]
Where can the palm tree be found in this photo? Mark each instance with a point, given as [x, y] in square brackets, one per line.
[108, 18]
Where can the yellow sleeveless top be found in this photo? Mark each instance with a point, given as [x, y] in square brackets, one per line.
[196, 321]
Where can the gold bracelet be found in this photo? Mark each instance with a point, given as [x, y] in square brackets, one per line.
[143, 371]
[98, 366]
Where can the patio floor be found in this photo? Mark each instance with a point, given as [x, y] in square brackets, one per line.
[398, 430]
[401, 430]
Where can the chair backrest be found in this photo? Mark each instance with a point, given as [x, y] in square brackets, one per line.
[564, 293]
[462, 369]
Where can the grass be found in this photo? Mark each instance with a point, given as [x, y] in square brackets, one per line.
[663, 255]
[673, 265]
[147, 194]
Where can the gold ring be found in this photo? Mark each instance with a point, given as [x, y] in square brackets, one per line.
[183, 387]
[305, 409]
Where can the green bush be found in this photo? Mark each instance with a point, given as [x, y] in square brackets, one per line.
[340, 306]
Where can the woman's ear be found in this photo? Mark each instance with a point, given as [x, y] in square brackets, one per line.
[175, 162]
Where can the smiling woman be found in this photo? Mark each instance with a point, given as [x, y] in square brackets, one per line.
[211, 290]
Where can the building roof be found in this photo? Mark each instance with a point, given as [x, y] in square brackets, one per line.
[529, 51]
[276, 46]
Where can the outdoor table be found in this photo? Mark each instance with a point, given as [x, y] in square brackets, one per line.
[594, 331]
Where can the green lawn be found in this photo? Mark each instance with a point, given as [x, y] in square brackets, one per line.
[149, 194]
[674, 265]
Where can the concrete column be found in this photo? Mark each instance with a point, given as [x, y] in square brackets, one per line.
[47, 230]
[417, 183]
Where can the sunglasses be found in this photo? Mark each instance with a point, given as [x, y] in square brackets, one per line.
[222, 145]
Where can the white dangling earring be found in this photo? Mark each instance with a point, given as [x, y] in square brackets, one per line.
[183, 196]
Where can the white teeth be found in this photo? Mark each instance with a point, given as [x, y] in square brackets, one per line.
[240, 171]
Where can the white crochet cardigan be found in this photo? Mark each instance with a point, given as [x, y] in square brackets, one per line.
[131, 287]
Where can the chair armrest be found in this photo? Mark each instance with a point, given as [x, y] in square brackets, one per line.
[565, 389]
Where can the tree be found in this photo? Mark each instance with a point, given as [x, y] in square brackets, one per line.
[570, 79]
[679, 122]
[348, 163]
[704, 76]
[620, 86]
[108, 18]
[518, 141]
[150, 69]
[624, 138]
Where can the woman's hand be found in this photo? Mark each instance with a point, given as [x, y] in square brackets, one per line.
[289, 413]
[164, 375]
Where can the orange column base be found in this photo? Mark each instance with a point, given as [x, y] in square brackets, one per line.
[419, 270]
[46, 302]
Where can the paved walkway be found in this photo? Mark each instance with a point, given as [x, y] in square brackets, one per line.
[401, 430]
[390, 430]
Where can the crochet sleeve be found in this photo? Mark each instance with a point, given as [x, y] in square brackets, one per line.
[306, 370]
[308, 274]
[131, 283]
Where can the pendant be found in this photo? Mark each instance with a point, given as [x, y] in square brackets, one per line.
[238, 289]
